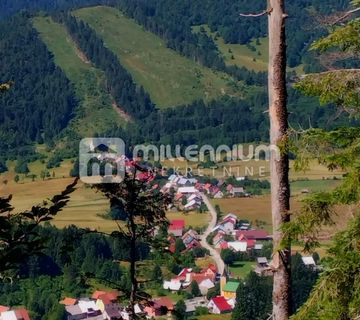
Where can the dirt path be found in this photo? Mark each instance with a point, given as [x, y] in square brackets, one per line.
[216, 255]
[121, 112]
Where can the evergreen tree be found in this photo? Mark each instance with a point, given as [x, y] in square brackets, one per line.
[253, 298]
[180, 310]
[157, 276]
[335, 295]
[195, 290]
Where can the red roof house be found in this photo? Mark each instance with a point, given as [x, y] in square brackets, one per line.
[4, 308]
[110, 295]
[258, 234]
[176, 227]
[159, 307]
[22, 314]
[68, 301]
[219, 305]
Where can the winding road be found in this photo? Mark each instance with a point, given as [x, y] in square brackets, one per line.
[216, 255]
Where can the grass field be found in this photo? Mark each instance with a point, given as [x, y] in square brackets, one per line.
[96, 112]
[85, 204]
[254, 169]
[169, 78]
[240, 269]
[84, 208]
[254, 56]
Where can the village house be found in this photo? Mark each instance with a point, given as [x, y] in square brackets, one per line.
[258, 234]
[237, 192]
[205, 286]
[237, 246]
[84, 309]
[68, 301]
[176, 227]
[262, 267]
[228, 288]
[309, 262]
[187, 190]
[219, 305]
[219, 195]
[191, 239]
[172, 285]
[192, 304]
[16, 314]
[159, 307]
[227, 225]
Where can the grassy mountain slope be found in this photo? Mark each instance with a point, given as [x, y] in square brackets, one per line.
[169, 78]
[96, 113]
[253, 56]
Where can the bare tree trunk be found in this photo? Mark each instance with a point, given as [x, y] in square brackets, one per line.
[279, 167]
[134, 283]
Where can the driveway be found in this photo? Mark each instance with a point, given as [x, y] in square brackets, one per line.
[216, 255]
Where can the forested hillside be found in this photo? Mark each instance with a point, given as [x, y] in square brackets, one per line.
[10, 7]
[42, 100]
[173, 21]
[45, 98]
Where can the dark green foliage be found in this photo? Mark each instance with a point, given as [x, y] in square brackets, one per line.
[179, 310]
[21, 167]
[228, 256]
[41, 101]
[3, 167]
[214, 292]
[157, 276]
[303, 280]
[179, 246]
[195, 290]
[253, 298]
[10, 7]
[63, 269]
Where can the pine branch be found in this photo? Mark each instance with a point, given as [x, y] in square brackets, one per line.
[346, 15]
[255, 15]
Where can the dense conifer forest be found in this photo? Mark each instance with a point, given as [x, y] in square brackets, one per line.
[42, 100]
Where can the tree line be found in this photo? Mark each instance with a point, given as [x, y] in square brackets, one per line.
[130, 97]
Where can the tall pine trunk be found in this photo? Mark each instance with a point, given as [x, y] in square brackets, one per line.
[279, 167]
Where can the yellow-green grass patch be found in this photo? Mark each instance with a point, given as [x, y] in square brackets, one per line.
[96, 112]
[240, 269]
[170, 78]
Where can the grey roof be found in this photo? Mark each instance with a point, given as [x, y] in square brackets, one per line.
[192, 304]
[262, 260]
[73, 310]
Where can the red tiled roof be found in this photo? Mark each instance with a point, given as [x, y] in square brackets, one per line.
[212, 267]
[4, 308]
[176, 224]
[68, 301]
[111, 295]
[250, 243]
[224, 245]
[252, 234]
[222, 304]
[184, 271]
[97, 294]
[199, 277]
[22, 314]
[229, 219]
[164, 302]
